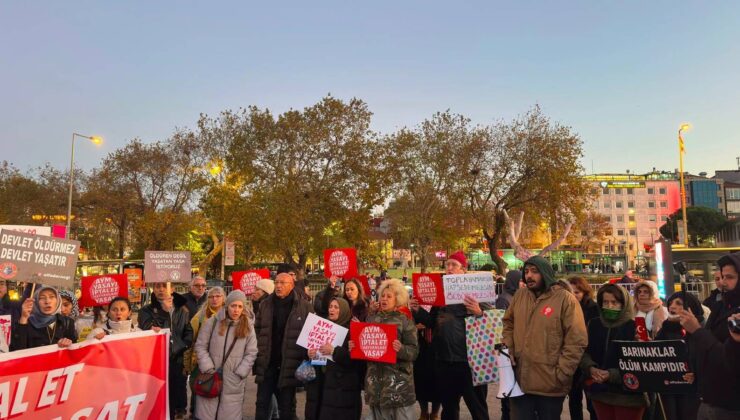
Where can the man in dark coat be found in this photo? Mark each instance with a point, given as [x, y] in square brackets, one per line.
[279, 323]
[168, 310]
[197, 295]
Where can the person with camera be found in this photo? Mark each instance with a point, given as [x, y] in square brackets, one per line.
[716, 346]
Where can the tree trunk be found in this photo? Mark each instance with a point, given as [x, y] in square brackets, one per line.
[218, 246]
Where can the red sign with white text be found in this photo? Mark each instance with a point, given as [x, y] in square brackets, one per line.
[246, 280]
[428, 288]
[123, 376]
[100, 290]
[340, 262]
[365, 285]
[373, 342]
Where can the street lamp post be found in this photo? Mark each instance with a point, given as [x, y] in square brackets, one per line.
[681, 152]
[94, 140]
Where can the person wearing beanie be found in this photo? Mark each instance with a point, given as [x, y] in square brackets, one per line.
[454, 379]
[717, 349]
[41, 323]
[262, 289]
[227, 343]
[545, 334]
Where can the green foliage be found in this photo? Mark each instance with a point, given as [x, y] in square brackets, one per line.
[703, 224]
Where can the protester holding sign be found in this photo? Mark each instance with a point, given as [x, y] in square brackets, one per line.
[454, 378]
[227, 344]
[335, 393]
[389, 388]
[40, 322]
[600, 362]
[718, 381]
[168, 310]
[118, 322]
[354, 293]
[546, 335]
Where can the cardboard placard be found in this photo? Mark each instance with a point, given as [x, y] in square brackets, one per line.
[38, 259]
[5, 323]
[478, 285]
[229, 252]
[246, 280]
[341, 262]
[318, 331]
[135, 283]
[167, 266]
[654, 366]
[373, 342]
[428, 288]
[100, 290]
[33, 230]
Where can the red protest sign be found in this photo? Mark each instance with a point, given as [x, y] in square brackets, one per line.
[340, 262]
[365, 285]
[373, 342]
[100, 290]
[134, 368]
[428, 288]
[246, 280]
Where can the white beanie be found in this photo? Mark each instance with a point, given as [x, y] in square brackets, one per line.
[266, 285]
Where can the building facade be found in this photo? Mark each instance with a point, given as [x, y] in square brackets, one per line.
[731, 181]
[705, 192]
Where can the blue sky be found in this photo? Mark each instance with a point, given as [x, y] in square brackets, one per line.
[624, 75]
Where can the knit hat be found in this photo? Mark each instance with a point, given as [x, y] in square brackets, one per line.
[236, 296]
[266, 285]
[459, 256]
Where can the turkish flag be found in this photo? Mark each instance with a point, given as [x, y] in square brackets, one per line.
[246, 280]
[100, 290]
[428, 288]
[340, 262]
[373, 342]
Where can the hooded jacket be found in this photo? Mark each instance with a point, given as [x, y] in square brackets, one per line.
[546, 334]
[718, 369]
[511, 285]
[602, 353]
[181, 333]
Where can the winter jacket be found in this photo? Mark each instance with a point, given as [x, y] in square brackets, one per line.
[392, 385]
[292, 354]
[337, 392]
[590, 309]
[717, 371]
[194, 304]
[546, 334]
[322, 299]
[26, 336]
[181, 333]
[110, 328]
[714, 297]
[511, 285]
[603, 354]
[210, 350]
[190, 359]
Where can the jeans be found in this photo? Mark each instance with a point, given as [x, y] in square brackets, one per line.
[269, 388]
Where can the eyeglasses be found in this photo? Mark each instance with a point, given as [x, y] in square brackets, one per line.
[199, 285]
[283, 282]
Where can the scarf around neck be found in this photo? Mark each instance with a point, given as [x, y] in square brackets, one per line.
[38, 319]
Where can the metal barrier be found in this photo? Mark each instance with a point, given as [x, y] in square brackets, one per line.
[701, 290]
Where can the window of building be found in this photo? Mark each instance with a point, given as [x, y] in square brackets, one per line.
[732, 193]
[632, 218]
[619, 204]
[605, 191]
[663, 204]
[733, 206]
[652, 218]
[662, 191]
[620, 218]
[632, 247]
[607, 204]
[617, 191]
[651, 204]
[620, 232]
[630, 191]
[651, 191]
[631, 204]
[664, 218]
[633, 232]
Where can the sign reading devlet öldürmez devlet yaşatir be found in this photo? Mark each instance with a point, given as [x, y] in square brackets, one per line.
[167, 266]
[38, 259]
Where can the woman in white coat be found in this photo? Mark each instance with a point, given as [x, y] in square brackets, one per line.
[216, 337]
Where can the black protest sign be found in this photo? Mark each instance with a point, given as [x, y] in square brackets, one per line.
[654, 366]
[38, 259]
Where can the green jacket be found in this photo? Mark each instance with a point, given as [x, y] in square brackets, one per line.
[392, 386]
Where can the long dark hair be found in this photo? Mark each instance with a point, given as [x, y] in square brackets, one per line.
[361, 299]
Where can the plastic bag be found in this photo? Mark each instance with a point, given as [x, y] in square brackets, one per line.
[305, 372]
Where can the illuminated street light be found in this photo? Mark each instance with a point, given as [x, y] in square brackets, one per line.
[681, 152]
[95, 140]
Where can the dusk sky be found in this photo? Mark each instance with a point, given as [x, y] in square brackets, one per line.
[624, 75]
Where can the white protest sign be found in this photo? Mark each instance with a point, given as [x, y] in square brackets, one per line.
[477, 285]
[167, 266]
[33, 230]
[317, 331]
[4, 333]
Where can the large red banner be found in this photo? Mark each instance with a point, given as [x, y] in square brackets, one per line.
[428, 288]
[100, 290]
[246, 280]
[340, 262]
[123, 376]
[373, 342]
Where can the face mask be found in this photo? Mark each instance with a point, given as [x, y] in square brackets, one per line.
[610, 314]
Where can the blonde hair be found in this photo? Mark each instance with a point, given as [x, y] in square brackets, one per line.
[396, 287]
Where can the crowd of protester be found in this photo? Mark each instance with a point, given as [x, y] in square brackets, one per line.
[560, 337]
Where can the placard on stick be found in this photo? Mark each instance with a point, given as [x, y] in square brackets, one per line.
[38, 259]
[341, 262]
[428, 288]
[318, 331]
[373, 342]
[478, 285]
[247, 280]
[167, 266]
[654, 366]
[100, 290]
